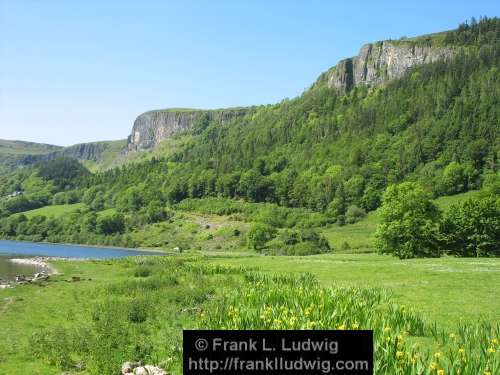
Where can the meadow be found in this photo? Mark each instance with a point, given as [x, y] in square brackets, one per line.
[54, 210]
[136, 308]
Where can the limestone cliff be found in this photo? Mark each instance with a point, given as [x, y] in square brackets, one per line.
[381, 62]
[150, 128]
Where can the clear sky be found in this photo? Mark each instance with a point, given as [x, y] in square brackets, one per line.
[78, 71]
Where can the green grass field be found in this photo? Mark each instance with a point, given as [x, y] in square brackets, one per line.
[136, 309]
[444, 289]
[55, 210]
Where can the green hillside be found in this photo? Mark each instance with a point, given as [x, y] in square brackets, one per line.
[94, 155]
[25, 148]
[11, 152]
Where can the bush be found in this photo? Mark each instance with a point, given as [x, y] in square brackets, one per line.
[298, 242]
[354, 214]
[341, 220]
[345, 246]
[142, 271]
[289, 237]
[259, 234]
[138, 311]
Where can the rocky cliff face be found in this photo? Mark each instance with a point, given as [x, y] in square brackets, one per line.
[381, 62]
[152, 127]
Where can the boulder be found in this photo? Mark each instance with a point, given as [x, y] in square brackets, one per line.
[152, 370]
[138, 369]
[128, 367]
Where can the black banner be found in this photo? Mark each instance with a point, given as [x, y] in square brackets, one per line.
[278, 352]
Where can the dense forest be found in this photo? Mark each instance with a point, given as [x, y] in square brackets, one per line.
[325, 156]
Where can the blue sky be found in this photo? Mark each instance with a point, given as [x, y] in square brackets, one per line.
[78, 71]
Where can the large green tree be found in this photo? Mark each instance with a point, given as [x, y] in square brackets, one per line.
[409, 226]
[472, 228]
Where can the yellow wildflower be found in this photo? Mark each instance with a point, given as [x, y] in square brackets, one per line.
[487, 372]
[399, 354]
[434, 366]
[437, 355]
[491, 350]
[494, 341]
[440, 372]
[461, 350]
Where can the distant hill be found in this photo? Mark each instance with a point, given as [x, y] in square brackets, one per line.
[11, 152]
[94, 155]
[25, 148]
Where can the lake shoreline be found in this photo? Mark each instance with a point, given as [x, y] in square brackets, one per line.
[151, 250]
[23, 260]
[44, 268]
[41, 262]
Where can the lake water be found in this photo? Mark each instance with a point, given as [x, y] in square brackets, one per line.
[15, 249]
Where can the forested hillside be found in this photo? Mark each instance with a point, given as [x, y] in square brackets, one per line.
[326, 151]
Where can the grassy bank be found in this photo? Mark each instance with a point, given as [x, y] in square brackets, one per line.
[136, 308]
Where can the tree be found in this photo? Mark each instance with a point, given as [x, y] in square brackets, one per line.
[98, 202]
[454, 178]
[155, 212]
[472, 228]
[354, 187]
[370, 199]
[259, 234]
[110, 224]
[409, 222]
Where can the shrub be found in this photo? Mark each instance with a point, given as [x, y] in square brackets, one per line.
[354, 214]
[298, 242]
[138, 311]
[259, 234]
[142, 271]
[345, 246]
